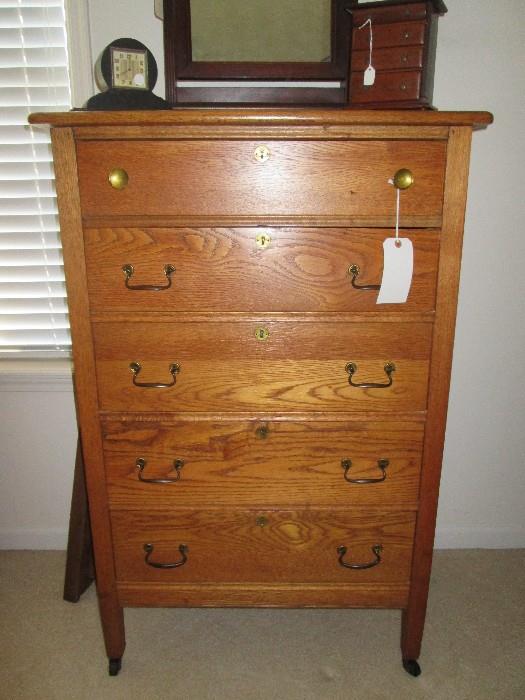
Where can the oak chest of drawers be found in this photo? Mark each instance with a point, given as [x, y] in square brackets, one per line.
[257, 430]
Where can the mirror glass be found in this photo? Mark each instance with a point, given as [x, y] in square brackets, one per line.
[261, 30]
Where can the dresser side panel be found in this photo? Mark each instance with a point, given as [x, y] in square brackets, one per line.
[64, 154]
[456, 180]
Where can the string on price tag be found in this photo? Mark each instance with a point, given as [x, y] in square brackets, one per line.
[369, 76]
[398, 265]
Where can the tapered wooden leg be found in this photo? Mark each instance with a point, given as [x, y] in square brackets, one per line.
[413, 619]
[112, 618]
[80, 570]
[412, 625]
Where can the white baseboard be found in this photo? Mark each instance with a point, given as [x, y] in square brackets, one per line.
[52, 538]
[446, 538]
[480, 538]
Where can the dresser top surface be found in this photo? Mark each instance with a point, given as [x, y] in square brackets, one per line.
[268, 116]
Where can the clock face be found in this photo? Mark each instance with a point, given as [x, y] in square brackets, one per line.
[129, 68]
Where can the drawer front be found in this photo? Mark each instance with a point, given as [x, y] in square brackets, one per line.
[388, 86]
[251, 546]
[397, 58]
[396, 34]
[246, 463]
[300, 365]
[390, 14]
[250, 269]
[223, 178]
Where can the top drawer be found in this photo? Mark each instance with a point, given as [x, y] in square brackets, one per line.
[297, 179]
[399, 13]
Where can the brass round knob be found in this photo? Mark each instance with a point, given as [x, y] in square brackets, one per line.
[261, 521]
[118, 178]
[403, 179]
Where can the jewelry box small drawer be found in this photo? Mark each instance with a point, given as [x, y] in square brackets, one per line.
[388, 86]
[395, 34]
[380, 15]
[263, 546]
[283, 269]
[241, 179]
[395, 58]
[167, 463]
[223, 365]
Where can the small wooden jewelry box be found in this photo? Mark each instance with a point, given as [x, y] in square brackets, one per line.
[398, 38]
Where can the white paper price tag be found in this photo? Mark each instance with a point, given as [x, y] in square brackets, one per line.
[398, 266]
[369, 76]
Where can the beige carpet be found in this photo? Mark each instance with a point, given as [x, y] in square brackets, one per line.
[474, 645]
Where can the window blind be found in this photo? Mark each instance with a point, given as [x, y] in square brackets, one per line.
[34, 77]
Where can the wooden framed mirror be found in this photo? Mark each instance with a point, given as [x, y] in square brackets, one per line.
[267, 51]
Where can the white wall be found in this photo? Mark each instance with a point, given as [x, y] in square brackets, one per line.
[37, 452]
[128, 19]
[480, 65]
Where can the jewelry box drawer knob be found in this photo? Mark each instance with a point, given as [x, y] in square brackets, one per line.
[118, 178]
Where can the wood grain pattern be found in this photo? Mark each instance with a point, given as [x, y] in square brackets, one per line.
[283, 117]
[213, 132]
[234, 463]
[302, 269]
[219, 341]
[85, 388]
[303, 595]
[244, 385]
[301, 366]
[322, 220]
[193, 187]
[223, 178]
[443, 342]
[292, 547]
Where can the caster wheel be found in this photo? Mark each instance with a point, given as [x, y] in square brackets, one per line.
[114, 666]
[411, 666]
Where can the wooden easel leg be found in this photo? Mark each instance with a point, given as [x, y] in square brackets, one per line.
[80, 570]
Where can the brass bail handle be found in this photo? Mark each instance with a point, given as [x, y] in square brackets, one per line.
[403, 179]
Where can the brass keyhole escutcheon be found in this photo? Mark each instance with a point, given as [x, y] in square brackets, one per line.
[262, 432]
[262, 334]
[118, 178]
[261, 521]
[403, 179]
[263, 240]
[261, 154]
